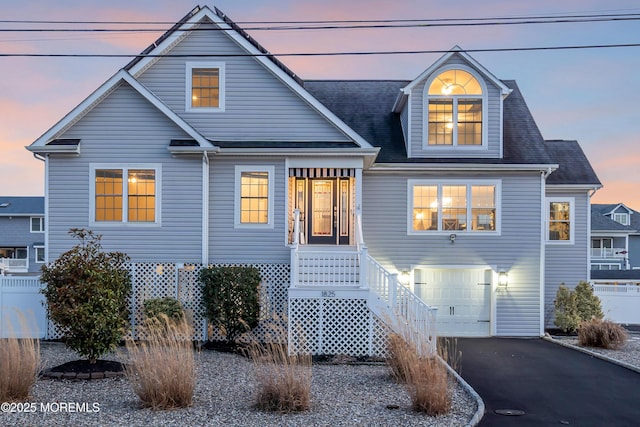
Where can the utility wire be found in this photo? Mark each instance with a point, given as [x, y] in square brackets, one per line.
[307, 54]
[346, 25]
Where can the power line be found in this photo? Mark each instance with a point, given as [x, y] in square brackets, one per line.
[308, 54]
[340, 25]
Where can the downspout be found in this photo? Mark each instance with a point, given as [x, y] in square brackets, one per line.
[205, 208]
[591, 193]
[543, 245]
[45, 159]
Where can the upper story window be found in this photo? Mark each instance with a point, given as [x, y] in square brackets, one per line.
[453, 206]
[37, 224]
[560, 225]
[126, 194]
[455, 110]
[622, 218]
[254, 196]
[205, 86]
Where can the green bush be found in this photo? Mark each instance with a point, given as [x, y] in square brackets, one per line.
[172, 308]
[86, 291]
[230, 297]
[573, 307]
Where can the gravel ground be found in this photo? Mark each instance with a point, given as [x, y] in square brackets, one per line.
[342, 395]
[627, 354]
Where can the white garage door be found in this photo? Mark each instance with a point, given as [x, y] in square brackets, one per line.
[463, 299]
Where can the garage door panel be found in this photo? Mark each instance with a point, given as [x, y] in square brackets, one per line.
[463, 299]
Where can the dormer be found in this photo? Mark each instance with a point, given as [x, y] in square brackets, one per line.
[620, 214]
[453, 110]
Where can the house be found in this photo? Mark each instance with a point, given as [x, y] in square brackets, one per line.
[439, 191]
[22, 229]
[615, 244]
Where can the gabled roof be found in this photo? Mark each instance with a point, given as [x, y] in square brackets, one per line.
[456, 50]
[574, 167]
[365, 105]
[601, 219]
[165, 43]
[21, 205]
[49, 142]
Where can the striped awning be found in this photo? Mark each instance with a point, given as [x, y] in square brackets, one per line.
[322, 172]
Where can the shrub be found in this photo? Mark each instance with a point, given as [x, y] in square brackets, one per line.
[161, 368]
[284, 381]
[574, 307]
[230, 297]
[19, 365]
[154, 308]
[86, 291]
[426, 378]
[601, 333]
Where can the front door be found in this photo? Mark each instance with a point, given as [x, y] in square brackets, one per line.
[328, 211]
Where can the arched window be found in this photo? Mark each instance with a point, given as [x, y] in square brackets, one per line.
[455, 109]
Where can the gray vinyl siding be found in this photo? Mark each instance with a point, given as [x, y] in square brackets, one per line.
[245, 245]
[568, 264]
[634, 251]
[125, 129]
[404, 122]
[517, 248]
[259, 106]
[419, 133]
[15, 232]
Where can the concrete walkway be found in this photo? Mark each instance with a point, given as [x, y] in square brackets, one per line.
[549, 383]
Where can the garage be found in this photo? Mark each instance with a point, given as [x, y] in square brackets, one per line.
[462, 296]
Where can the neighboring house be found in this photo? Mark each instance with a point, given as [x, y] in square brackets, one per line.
[445, 180]
[615, 243]
[22, 228]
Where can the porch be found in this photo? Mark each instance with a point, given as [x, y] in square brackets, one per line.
[340, 290]
[14, 265]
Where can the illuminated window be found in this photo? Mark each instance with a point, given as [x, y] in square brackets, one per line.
[453, 207]
[454, 110]
[119, 200]
[254, 196]
[205, 86]
[560, 224]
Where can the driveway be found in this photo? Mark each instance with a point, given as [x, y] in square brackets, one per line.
[551, 384]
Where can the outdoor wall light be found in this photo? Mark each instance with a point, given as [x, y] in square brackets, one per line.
[404, 277]
[452, 237]
[503, 279]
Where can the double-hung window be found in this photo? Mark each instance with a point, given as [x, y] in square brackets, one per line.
[454, 110]
[453, 206]
[125, 194]
[254, 194]
[37, 224]
[205, 86]
[560, 219]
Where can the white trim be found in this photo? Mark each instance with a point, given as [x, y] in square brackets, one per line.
[543, 253]
[35, 254]
[188, 106]
[42, 224]
[205, 209]
[270, 169]
[425, 107]
[96, 97]
[157, 167]
[572, 219]
[461, 167]
[241, 41]
[496, 183]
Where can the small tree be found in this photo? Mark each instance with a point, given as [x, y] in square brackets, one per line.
[230, 297]
[86, 291]
[575, 307]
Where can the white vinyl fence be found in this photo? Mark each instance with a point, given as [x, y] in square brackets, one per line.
[620, 303]
[22, 312]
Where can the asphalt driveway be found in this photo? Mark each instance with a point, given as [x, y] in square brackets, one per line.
[550, 384]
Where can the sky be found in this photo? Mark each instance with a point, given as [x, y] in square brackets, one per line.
[588, 95]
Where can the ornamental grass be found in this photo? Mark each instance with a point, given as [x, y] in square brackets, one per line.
[19, 362]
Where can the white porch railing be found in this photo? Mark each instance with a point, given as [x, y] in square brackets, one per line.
[14, 264]
[604, 253]
[404, 312]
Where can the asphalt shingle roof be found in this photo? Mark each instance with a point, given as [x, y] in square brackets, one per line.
[21, 205]
[602, 222]
[574, 166]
